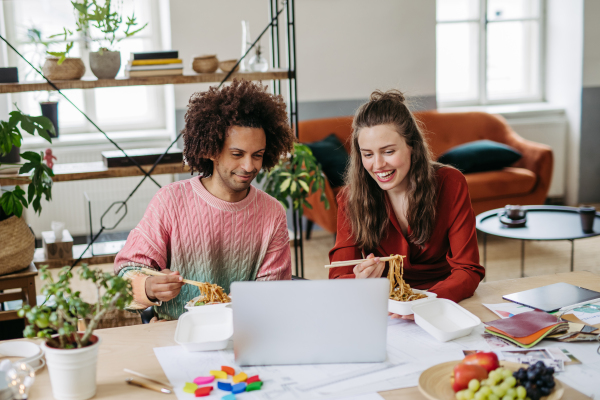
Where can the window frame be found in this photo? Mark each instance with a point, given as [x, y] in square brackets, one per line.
[482, 95]
[157, 120]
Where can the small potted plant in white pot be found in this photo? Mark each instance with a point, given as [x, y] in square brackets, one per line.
[72, 355]
[102, 15]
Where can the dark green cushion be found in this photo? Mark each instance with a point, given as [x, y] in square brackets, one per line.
[332, 156]
[479, 156]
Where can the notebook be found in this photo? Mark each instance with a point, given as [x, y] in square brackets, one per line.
[552, 297]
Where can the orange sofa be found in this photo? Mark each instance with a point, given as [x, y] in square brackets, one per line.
[526, 182]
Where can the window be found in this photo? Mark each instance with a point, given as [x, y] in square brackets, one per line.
[489, 51]
[113, 109]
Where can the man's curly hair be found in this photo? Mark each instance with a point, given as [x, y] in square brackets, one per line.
[210, 114]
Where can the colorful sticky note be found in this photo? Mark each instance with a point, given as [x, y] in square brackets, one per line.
[253, 378]
[203, 391]
[204, 380]
[219, 374]
[226, 386]
[241, 377]
[254, 386]
[190, 387]
[228, 397]
[228, 370]
[239, 387]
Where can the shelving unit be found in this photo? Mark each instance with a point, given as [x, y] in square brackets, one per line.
[97, 170]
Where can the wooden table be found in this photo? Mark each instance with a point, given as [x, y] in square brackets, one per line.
[132, 347]
[23, 280]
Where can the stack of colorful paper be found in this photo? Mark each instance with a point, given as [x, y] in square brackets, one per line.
[156, 63]
[526, 329]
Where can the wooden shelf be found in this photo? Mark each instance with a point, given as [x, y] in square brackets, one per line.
[153, 80]
[108, 251]
[94, 170]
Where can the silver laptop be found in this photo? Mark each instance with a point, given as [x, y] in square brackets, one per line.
[310, 322]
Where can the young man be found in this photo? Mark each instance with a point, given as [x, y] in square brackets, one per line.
[215, 227]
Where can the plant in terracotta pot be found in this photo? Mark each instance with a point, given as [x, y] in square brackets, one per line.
[17, 240]
[72, 355]
[106, 17]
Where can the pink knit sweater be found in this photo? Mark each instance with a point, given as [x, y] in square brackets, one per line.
[187, 229]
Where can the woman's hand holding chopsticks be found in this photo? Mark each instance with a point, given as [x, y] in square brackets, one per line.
[371, 268]
[165, 287]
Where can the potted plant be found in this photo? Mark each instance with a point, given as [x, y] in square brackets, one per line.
[72, 355]
[295, 177]
[106, 62]
[18, 242]
[61, 67]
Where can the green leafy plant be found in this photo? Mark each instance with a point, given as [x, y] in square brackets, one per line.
[295, 177]
[13, 201]
[62, 55]
[57, 323]
[106, 17]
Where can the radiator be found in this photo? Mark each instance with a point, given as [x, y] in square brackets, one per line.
[70, 199]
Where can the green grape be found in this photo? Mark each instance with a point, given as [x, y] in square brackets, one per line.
[493, 397]
[480, 396]
[460, 395]
[511, 392]
[474, 385]
[521, 392]
[507, 373]
[486, 390]
[499, 391]
[511, 381]
[507, 397]
[485, 382]
[468, 394]
[494, 377]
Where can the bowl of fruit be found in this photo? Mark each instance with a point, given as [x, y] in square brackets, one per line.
[481, 376]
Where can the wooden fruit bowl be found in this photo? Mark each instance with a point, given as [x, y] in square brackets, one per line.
[434, 382]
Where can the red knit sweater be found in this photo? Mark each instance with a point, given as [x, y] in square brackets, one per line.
[448, 264]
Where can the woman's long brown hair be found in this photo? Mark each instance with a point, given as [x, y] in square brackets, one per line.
[367, 208]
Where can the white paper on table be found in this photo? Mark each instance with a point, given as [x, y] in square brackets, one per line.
[589, 313]
[410, 351]
[507, 310]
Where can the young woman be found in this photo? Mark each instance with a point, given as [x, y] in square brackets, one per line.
[398, 201]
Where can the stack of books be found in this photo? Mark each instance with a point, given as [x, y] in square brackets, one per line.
[526, 329]
[156, 63]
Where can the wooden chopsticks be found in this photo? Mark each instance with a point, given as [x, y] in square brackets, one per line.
[336, 264]
[149, 271]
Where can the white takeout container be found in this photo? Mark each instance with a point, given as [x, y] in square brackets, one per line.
[405, 307]
[206, 307]
[444, 319]
[204, 331]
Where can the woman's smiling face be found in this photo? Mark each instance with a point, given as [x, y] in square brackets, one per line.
[385, 155]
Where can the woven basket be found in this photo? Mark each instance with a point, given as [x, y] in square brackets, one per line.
[71, 68]
[204, 64]
[17, 245]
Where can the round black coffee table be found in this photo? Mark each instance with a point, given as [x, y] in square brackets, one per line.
[543, 223]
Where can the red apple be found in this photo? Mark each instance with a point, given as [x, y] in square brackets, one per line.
[487, 360]
[463, 373]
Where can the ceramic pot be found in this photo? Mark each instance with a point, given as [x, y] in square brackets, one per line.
[71, 68]
[105, 65]
[73, 371]
[205, 64]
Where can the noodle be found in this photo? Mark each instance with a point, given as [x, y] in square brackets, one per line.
[400, 290]
[210, 294]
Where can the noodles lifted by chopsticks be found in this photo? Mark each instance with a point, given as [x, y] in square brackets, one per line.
[400, 290]
[210, 294]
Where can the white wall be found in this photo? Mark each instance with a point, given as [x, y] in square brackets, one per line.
[591, 44]
[345, 48]
[564, 58]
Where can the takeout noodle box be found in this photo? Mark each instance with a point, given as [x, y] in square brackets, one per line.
[206, 307]
[444, 319]
[205, 331]
[405, 307]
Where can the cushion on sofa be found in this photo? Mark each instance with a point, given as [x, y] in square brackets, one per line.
[504, 183]
[479, 156]
[332, 156]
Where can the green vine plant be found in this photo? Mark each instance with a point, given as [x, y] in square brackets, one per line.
[57, 323]
[62, 55]
[295, 177]
[107, 18]
[13, 201]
